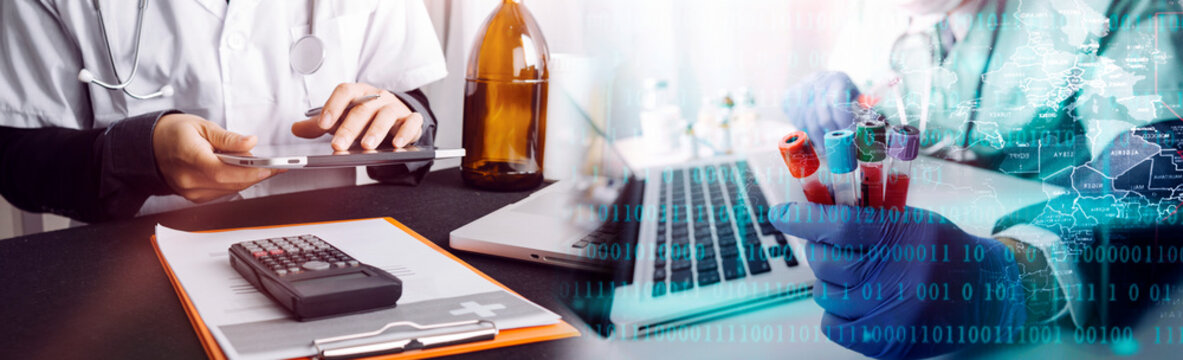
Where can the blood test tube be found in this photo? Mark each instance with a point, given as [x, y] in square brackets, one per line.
[841, 157]
[871, 142]
[903, 144]
[802, 161]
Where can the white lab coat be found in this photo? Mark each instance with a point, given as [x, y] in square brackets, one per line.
[229, 63]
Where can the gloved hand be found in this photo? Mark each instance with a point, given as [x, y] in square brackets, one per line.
[821, 103]
[893, 282]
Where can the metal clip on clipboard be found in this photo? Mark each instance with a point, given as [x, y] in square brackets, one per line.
[464, 332]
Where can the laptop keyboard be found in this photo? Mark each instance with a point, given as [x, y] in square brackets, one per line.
[702, 239]
[606, 233]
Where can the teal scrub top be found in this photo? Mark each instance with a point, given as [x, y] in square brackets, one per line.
[1036, 87]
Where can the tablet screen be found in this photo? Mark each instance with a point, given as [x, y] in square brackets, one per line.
[321, 155]
[317, 149]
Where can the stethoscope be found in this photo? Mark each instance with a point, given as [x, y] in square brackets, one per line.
[306, 54]
[934, 54]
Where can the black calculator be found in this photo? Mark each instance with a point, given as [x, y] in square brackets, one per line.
[312, 278]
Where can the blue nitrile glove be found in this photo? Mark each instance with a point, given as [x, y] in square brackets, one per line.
[867, 290]
[821, 103]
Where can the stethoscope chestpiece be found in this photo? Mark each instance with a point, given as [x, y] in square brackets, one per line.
[307, 54]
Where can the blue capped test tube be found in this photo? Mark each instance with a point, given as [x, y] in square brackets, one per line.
[842, 158]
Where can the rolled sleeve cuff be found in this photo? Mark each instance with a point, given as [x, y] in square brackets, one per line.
[409, 173]
[419, 77]
[129, 157]
[1066, 272]
[417, 106]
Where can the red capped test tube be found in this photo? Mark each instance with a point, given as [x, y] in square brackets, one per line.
[903, 144]
[871, 141]
[803, 163]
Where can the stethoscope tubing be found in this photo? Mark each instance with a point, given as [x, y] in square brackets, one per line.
[86, 76]
[934, 47]
[135, 64]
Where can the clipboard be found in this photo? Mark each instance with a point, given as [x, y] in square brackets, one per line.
[459, 337]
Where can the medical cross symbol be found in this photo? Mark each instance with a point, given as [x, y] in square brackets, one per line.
[472, 307]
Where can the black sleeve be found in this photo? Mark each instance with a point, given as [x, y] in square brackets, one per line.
[410, 173]
[1119, 223]
[87, 175]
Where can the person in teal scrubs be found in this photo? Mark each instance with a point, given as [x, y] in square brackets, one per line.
[1085, 95]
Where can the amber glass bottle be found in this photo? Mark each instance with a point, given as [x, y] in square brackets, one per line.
[505, 102]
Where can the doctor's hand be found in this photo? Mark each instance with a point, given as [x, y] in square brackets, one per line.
[886, 278]
[821, 103]
[184, 146]
[372, 121]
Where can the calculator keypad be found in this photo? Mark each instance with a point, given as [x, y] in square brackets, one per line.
[296, 254]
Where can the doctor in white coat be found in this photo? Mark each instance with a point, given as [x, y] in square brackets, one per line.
[111, 108]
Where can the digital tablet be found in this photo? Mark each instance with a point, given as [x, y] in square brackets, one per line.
[322, 155]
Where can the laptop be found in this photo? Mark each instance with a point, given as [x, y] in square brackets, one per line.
[685, 244]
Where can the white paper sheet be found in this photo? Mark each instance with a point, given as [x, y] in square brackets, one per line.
[222, 297]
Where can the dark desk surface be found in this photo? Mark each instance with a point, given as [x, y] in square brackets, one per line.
[100, 291]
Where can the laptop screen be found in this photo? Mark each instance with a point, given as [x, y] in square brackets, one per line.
[604, 173]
